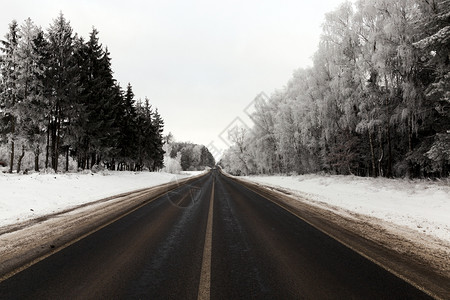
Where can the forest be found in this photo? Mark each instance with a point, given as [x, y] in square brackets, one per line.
[193, 157]
[375, 102]
[185, 156]
[62, 109]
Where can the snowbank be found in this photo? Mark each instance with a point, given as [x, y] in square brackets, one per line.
[24, 197]
[422, 205]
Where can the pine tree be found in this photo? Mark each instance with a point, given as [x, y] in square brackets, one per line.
[158, 154]
[63, 74]
[433, 73]
[42, 107]
[9, 96]
[58, 90]
[128, 135]
[111, 130]
[30, 91]
[206, 158]
[147, 136]
[98, 122]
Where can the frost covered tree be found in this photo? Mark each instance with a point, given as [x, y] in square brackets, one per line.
[191, 156]
[30, 107]
[9, 87]
[375, 102]
[172, 165]
[433, 47]
[264, 136]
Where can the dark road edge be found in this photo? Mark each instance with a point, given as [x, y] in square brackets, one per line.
[134, 200]
[417, 275]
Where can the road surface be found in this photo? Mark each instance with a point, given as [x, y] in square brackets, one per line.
[212, 238]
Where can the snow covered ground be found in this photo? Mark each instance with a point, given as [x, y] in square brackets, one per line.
[24, 197]
[422, 205]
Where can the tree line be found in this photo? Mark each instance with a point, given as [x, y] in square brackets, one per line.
[376, 101]
[193, 157]
[186, 156]
[60, 101]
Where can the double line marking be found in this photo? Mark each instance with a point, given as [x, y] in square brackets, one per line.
[204, 289]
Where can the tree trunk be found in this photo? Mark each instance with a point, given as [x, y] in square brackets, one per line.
[11, 162]
[56, 139]
[82, 160]
[36, 158]
[53, 143]
[58, 142]
[52, 149]
[67, 159]
[389, 167]
[388, 131]
[47, 152]
[19, 161]
[380, 160]
[93, 159]
[410, 133]
[410, 169]
[372, 153]
[13, 130]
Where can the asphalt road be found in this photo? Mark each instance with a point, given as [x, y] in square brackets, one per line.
[212, 238]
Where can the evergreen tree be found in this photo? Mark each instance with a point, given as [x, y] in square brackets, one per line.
[58, 90]
[158, 152]
[206, 158]
[42, 104]
[9, 90]
[128, 135]
[433, 73]
[143, 120]
[30, 91]
[98, 122]
[63, 74]
[111, 131]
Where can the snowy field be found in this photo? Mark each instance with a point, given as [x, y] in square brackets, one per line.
[422, 205]
[24, 197]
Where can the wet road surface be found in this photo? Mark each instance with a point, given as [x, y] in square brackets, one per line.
[212, 238]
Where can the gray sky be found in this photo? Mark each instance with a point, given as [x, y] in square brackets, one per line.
[201, 63]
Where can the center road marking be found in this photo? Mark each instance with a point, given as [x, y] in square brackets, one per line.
[204, 288]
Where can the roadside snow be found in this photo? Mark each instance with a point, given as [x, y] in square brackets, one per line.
[418, 204]
[24, 197]
[421, 205]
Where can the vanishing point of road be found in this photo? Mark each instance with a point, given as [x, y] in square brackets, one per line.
[212, 238]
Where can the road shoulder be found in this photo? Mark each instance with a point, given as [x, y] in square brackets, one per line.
[25, 244]
[418, 259]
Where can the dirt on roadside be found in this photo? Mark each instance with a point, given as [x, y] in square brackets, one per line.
[420, 259]
[24, 244]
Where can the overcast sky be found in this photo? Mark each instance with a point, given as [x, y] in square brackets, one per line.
[201, 63]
